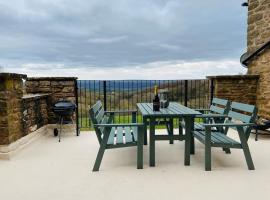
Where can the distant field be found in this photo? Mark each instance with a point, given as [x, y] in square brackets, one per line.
[123, 95]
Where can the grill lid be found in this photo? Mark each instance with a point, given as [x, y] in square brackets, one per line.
[64, 105]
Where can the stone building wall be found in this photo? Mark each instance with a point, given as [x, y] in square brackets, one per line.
[259, 34]
[239, 88]
[59, 88]
[258, 24]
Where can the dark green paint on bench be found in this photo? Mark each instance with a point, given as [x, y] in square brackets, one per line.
[112, 135]
[241, 118]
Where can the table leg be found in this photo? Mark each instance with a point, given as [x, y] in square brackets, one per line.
[180, 127]
[189, 121]
[171, 129]
[152, 142]
[192, 145]
[145, 130]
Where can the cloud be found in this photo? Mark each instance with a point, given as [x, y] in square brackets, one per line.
[107, 40]
[155, 45]
[161, 70]
[118, 34]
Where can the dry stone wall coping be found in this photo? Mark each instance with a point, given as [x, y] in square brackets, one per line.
[12, 75]
[51, 78]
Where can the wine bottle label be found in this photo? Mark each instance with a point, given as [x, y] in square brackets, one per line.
[156, 106]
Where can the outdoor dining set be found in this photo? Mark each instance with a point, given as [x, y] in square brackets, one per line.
[208, 126]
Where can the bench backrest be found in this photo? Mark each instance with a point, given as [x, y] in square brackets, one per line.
[97, 116]
[219, 106]
[244, 113]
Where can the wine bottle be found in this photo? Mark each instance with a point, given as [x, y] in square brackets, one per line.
[156, 101]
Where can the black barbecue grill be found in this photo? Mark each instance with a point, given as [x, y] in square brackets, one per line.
[64, 110]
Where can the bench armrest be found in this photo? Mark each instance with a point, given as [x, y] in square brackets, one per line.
[118, 125]
[121, 111]
[229, 125]
[211, 116]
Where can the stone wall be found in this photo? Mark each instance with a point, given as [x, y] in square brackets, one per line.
[35, 112]
[21, 114]
[59, 88]
[258, 34]
[239, 88]
[258, 24]
[11, 92]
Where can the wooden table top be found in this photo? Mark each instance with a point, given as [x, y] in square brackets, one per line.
[174, 110]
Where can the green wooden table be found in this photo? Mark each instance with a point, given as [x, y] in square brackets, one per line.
[175, 110]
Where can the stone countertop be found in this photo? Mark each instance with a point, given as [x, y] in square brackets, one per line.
[35, 96]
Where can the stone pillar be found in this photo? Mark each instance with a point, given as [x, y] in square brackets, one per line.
[239, 88]
[11, 92]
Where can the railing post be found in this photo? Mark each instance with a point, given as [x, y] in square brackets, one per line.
[186, 92]
[212, 87]
[77, 106]
[105, 95]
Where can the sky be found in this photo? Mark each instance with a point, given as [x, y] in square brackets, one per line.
[122, 39]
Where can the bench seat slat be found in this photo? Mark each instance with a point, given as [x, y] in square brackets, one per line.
[227, 138]
[222, 139]
[111, 137]
[217, 138]
[135, 133]
[119, 135]
[128, 135]
[115, 135]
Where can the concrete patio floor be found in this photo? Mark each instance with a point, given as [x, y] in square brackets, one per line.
[50, 170]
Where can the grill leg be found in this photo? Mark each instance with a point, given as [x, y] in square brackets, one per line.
[61, 124]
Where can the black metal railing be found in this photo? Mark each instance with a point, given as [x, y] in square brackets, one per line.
[124, 94]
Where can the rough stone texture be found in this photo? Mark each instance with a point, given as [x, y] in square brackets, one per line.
[60, 88]
[258, 34]
[22, 114]
[240, 88]
[258, 24]
[11, 92]
[35, 112]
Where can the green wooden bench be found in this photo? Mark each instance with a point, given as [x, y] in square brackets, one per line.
[241, 118]
[111, 135]
[215, 114]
